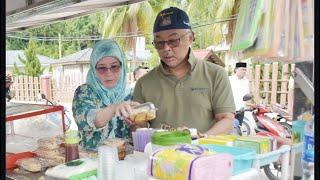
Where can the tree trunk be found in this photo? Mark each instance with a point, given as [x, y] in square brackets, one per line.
[232, 23]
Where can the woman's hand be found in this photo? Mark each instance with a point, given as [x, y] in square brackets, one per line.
[120, 109]
[124, 109]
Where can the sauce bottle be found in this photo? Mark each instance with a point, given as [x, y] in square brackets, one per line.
[72, 140]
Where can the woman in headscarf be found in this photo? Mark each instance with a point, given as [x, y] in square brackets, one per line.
[101, 105]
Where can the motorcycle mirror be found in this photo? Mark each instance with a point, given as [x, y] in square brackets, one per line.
[43, 96]
[247, 97]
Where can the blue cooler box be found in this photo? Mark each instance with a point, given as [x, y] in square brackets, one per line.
[242, 157]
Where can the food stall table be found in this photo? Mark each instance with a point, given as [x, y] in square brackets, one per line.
[16, 111]
[25, 127]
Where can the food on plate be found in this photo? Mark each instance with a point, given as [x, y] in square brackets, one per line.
[30, 164]
[48, 143]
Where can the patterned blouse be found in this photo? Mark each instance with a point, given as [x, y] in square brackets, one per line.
[85, 105]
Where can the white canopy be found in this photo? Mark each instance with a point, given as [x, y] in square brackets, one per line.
[23, 14]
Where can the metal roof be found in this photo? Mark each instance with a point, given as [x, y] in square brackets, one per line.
[12, 57]
[80, 56]
[23, 14]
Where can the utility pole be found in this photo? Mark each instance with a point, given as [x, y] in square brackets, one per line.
[60, 46]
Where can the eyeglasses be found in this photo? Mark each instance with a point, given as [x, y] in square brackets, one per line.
[113, 69]
[171, 43]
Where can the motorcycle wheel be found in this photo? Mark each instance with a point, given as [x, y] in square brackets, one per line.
[269, 172]
[244, 129]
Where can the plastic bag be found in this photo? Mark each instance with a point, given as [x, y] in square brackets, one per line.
[143, 112]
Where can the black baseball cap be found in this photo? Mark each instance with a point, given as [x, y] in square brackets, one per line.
[241, 64]
[171, 18]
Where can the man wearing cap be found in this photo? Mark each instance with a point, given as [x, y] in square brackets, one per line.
[187, 91]
[240, 84]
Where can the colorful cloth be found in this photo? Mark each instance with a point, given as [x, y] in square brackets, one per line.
[89, 98]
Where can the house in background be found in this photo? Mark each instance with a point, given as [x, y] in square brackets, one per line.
[73, 64]
[12, 56]
[138, 57]
[77, 64]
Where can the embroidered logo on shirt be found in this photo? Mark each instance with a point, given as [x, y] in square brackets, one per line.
[199, 89]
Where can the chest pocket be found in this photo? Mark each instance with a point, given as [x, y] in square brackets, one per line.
[199, 96]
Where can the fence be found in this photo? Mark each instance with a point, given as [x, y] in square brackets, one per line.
[266, 81]
[26, 88]
[64, 86]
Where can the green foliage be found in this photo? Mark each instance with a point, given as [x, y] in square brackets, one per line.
[50, 68]
[127, 20]
[154, 59]
[32, 65]
[15, 70]
[16, 44]
[203, 14]
[77, 27]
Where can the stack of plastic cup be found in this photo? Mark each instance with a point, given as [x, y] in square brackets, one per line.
[123, 171]
[108, 156]
[141, 137]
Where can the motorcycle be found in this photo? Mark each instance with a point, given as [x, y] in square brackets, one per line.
[260, 120]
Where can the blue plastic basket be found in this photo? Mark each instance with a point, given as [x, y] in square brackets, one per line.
[242, 157]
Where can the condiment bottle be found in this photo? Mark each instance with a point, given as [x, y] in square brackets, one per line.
[72, 140]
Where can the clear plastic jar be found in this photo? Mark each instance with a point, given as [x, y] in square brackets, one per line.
[143, 112]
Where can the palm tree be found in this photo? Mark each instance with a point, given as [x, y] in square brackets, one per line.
[232, 23]
[137, 19]
[203, 14]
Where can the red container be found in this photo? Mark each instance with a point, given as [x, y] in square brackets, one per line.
[11, 159]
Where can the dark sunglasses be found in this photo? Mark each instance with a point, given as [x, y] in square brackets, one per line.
[113, 69]
[172, 43]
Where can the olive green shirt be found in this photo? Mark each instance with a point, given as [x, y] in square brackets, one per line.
[191, 101]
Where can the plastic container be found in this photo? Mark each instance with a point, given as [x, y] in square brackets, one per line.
[74, 170]
[225, 140]
[191, 162]
[298, 130]
[270, 157]
[11, 159]
[260, 145]
[72, 140]
[307, 160]
[216, 141]
[242, 157]
[143, 112]
[141, 137]
[108, 157]
[169, 138]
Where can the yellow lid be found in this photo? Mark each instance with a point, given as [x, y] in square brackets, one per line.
[72, 137]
